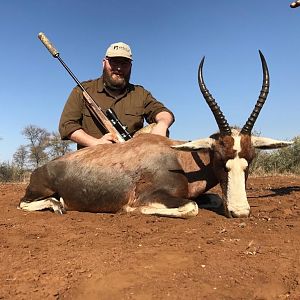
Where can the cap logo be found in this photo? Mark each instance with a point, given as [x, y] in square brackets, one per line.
[121, 48]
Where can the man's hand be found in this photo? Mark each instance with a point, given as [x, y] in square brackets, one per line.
[160, 129]
[108, 138]
[84, 139]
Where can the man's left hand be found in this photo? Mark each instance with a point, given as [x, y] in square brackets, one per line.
[160, 129]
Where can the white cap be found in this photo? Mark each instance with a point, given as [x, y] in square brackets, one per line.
[119, 49]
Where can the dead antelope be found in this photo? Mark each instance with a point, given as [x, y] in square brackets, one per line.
[148, 174]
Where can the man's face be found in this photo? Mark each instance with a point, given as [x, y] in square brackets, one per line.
[116, 72]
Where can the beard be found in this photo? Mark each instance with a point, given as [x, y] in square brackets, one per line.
[115, 80]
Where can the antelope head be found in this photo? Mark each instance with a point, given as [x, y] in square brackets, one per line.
[231, 150]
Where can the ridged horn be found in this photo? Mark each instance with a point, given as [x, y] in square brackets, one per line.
[261, 99]
[219, 117]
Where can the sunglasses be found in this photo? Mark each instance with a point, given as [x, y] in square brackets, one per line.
[118, 62]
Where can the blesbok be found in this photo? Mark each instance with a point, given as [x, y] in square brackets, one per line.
[149, 174]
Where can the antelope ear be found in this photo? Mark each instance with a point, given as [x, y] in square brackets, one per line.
[195, 145]
[267, 143]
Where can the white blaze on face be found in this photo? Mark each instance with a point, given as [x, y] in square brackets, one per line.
[237, 203]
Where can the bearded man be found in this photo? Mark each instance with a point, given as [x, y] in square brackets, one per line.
[132, 103]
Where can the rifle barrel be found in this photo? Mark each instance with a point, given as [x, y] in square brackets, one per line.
[91, 104]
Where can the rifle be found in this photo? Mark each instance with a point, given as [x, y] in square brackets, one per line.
[109, 120]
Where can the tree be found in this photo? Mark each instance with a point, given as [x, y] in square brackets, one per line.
[38, 142]
[20, 159]
[58, 147]
[42, 147]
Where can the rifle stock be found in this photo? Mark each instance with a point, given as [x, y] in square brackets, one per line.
[90, 103]
[100, 116]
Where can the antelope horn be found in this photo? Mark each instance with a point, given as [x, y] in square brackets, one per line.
[261, 99]
[219, 117]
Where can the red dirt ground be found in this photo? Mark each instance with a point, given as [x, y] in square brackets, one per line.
[105, 256]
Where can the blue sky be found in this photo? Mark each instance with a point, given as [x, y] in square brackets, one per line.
[168, 39]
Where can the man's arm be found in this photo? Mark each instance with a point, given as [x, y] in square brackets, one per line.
[156, 112]
[163, 121]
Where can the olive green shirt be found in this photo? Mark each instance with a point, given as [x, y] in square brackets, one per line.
[132, 107]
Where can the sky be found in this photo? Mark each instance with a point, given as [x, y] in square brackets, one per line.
[168, 39]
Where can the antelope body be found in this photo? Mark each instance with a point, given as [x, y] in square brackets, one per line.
[155, 175]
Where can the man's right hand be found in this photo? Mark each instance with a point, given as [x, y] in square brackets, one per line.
[84, 139]
[108, 138]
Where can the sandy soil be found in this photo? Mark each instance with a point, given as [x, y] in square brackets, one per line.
[104, 256]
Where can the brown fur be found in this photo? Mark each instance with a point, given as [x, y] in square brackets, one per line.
[105, 178]
[247, 151]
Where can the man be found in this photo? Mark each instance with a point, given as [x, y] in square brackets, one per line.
[131, 103]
